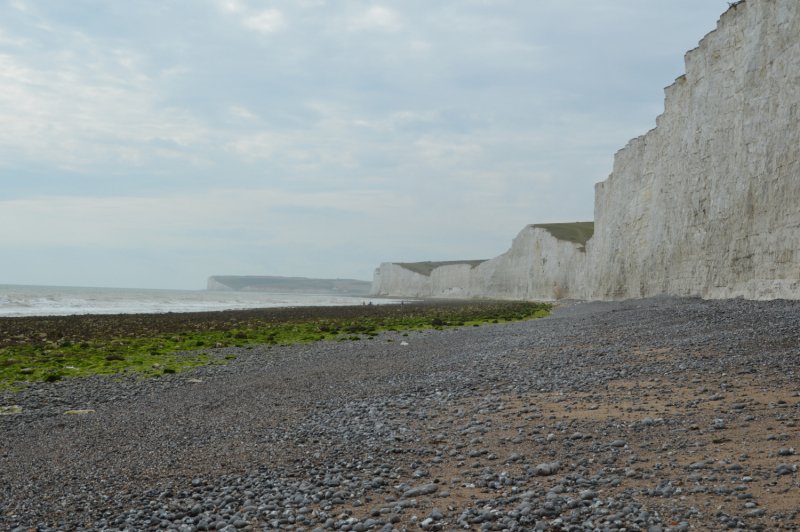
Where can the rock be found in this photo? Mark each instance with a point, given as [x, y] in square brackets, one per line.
[785, 469]
[78, 412]
[419, 491]
[544, 470]
[587, 495]
[436, 514]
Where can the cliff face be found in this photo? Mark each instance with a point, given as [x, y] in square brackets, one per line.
[706, 203]
[538, 266]
[391, 279]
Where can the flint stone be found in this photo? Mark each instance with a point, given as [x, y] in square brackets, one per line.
[436, 514]
[544, 470]
[419, 491]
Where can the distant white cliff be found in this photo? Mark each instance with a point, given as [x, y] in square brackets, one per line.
[538, 266]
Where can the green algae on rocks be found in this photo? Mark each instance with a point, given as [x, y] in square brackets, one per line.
[50, 348]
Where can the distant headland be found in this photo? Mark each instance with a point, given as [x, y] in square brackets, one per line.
[287, 285]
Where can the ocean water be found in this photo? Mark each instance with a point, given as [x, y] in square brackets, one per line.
[17, 300]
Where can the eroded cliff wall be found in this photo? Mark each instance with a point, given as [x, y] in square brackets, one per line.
[709, 201]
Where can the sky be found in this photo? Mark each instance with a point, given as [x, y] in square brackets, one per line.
[151, 144]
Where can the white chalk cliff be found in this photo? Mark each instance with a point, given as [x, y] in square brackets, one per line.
[706, 203]
[538, 266]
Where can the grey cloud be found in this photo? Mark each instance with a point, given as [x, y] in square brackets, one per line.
[511, 108]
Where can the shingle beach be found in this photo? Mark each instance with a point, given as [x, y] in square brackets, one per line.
[653, 415]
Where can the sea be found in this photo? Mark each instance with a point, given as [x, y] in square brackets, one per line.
[18, 300]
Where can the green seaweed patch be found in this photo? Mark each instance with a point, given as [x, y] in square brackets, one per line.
[75, 361]
[168, 353]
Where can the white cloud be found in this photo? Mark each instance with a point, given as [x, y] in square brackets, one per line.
[446, 155]
[268, 21]
[241, 112]
[426, 130]
[79, 114]
[377, 18]
[230, 6]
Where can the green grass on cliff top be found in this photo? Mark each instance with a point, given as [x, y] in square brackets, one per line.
[425, 268]
[146, 346]
[578, 232]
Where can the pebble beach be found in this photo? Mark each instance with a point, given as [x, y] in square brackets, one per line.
[652, 415]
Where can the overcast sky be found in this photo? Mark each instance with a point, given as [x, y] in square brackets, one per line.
[154, 143]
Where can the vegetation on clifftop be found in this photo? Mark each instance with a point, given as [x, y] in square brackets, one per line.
[578, 232]
[425, 268]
